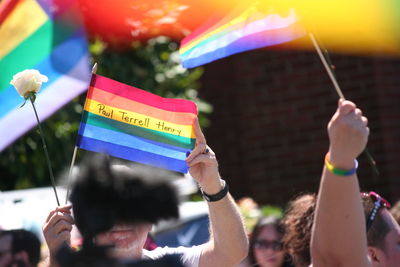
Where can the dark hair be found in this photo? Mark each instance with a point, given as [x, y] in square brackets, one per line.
[298, 221]
[96, 256]
[395, 211]
[23, 240]
[120, 194]
[261, 224]
[379, 227]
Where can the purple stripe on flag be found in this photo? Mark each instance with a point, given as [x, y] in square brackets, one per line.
[132, 141]
[133, 154]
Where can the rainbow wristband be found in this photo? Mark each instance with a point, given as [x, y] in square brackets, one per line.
[340, 172]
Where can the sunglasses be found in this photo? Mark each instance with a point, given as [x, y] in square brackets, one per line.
[378, 203]
[265, 244]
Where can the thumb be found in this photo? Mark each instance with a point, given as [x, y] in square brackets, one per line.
[345, 107]
[197, 131]
[340, 102]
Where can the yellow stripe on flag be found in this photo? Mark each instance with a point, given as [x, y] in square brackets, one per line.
[23, 21]
[138, 119]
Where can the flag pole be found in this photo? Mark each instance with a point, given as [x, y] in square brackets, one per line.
[70, 173]
[340, 93]
[328, 69]
[94, 70]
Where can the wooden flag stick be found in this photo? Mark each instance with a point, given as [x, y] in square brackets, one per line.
[328, 69]
[94, 69]
[70, 173]
[340, 93]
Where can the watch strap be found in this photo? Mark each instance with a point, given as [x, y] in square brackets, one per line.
[218, 196]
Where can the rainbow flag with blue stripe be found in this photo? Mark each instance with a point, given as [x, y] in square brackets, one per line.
[46, 35]
[129, 123]
[240, 31]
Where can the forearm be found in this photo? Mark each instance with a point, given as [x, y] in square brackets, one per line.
[339, 235]
[47, 262]
[228, 244]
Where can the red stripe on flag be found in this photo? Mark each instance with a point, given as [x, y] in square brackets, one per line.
[5, 9]
[209, 25]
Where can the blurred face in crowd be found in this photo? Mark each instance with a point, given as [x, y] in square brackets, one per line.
[5, 250]
[128, 239]
[390, 257]
[268, 250]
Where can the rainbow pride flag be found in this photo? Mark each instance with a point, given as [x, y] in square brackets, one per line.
[45, 35]
[129, 123]
[362, 27]
[239, 32]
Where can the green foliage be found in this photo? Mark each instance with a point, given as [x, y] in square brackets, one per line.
[23, 164]
[252, 212]
[153, 66]
[269, 210]
[196, 197]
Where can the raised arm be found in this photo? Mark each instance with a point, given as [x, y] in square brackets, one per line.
[339, 235]
[228, 244]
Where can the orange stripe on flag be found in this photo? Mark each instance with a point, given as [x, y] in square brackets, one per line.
[116, 101]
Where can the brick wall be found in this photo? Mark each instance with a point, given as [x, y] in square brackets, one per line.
[270, 114]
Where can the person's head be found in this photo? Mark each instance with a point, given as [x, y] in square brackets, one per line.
[395, 211]
[265, 249]
[19, 248]
[298, 221]
[117, 205]
[383, 232]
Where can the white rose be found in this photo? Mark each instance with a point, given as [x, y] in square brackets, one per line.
[28, 81]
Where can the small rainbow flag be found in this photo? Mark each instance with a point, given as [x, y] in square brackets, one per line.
[239, 32]
[129, 123]
[45, 35]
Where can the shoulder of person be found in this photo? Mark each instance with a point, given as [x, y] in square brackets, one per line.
[189, 256]
[162, 251]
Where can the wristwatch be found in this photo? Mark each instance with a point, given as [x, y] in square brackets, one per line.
[218, 196]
